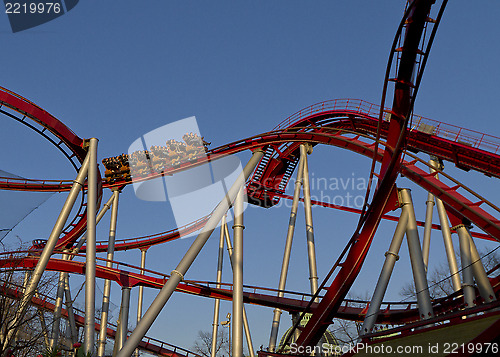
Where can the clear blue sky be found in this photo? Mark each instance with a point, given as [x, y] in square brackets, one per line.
[118, 69]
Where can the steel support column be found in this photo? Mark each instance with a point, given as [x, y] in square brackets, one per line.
[426, 243]
[417, 263]
[466, 259]
[122, 330]
[49, 248]
[311, 250]
[188, 259]
[220, 257]
[246, 327]
[90, 252]
[482, 281]
[428, 217]
[446, 232]
[141, 292]
[286, 255]
[56, 325]
[69, 308]
[107, 283]
[391, 256]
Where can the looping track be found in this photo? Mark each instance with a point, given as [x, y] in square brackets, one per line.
[64, 139]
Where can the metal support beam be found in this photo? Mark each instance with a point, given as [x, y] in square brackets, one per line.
[446, 232]
[90, 252]
[426, 243]
[246, 327]
[107, 283]
[56, 325]
[141, 293]
[48, 249]
[417, 262]
[391, 256]
[448, 244]
[220, 257]
[237, 316]
[311, 250]
[121, 333]
[466, 259]
[482, 281]
[69, 308]
[188, 259]
[286, 256]
[428, 215]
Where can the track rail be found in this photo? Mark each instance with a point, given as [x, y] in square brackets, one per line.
[355, 310]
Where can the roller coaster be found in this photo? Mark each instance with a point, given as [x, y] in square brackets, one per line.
[397, 141]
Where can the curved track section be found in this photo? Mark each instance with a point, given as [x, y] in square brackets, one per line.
[22, 110]
[123, 275]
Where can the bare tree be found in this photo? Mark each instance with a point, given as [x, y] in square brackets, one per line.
[30, 330]
[203, 345]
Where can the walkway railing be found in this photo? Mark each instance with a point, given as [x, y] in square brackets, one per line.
[450, 132]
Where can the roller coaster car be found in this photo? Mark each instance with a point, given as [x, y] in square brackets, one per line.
[157, 159]
[38, 244]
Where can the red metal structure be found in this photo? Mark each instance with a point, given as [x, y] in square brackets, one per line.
[390, 136]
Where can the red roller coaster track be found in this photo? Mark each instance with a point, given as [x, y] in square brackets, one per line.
[377, 132]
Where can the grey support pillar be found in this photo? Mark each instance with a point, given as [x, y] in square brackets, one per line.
[428, 216]
[90, 252]
[247, 333]
[391, 256]
[188, 259]
[311, 250]
[417, 262]
[141, 292]
[220, 257]
[445, 230]
[466, 259]
[448, 244]
[122, 328]
[49, 248]
[426, 243]
[245, 320]
[237, 322]
[56, 326]
[69, 308]
[482, 281]
[107, 283]
[286, 256]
